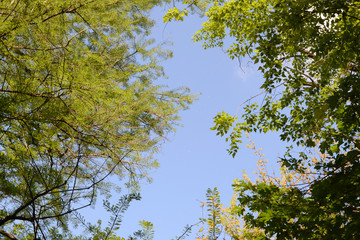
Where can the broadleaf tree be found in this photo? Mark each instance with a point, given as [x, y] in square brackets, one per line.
[79, 106]
[270, 192]
[308, 53]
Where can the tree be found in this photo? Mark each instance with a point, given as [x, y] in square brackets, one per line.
[267, 197]
[78, 106]
[308, 52]
[223, 222]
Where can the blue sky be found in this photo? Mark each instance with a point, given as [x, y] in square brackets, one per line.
[195, 159]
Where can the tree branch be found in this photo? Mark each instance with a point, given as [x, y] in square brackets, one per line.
[8, 235]
[19, 209]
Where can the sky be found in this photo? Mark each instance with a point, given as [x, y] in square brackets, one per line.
[194, 158]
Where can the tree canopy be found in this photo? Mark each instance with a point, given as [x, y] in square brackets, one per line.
[78, 104]
[308, 53]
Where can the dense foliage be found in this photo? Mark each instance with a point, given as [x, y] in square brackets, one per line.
[78, 104]
[309, 54]
[234, 221]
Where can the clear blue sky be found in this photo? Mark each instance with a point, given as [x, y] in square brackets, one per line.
[195, 158]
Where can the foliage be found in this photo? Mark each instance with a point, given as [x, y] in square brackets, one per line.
[268, 199]
[197, 6]
[308, 52]
[224, 222]
[214, 211]
[186, 231]
[97, 232]
[78, 104]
